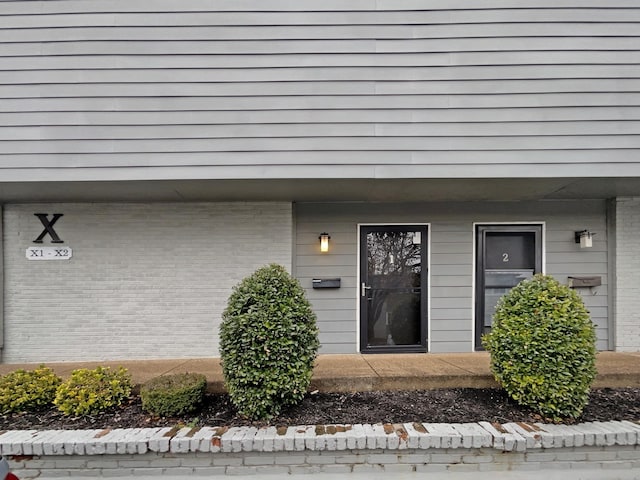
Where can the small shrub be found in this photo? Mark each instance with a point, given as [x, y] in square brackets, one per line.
[92, 391]
[28, 390]
[171, 395]
[542, 347]
[268, 343]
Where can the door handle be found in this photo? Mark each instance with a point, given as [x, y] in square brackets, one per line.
[365, 287]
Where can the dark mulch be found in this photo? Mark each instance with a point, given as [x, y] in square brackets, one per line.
[458, 405]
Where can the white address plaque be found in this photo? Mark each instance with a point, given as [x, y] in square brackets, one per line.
[49, 253]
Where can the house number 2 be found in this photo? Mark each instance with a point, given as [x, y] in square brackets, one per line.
[505, 257]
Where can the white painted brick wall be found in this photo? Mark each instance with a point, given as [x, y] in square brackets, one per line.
[145, 280]
[627, 274]
[390, 449]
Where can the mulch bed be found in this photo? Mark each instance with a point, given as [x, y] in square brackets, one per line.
[433, 406]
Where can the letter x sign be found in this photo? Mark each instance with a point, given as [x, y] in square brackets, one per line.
[48, 227]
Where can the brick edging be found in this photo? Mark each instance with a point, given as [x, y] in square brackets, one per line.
[518, 437]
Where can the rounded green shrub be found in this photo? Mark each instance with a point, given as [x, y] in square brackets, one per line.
[542, 347]
[28, 390]
[92, 391]
[171, 395]
[268, 343]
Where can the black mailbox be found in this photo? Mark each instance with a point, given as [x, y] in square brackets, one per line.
[326, 283]
[584, 282]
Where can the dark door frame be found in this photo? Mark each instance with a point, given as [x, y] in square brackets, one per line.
[363, 229]
[480, 230]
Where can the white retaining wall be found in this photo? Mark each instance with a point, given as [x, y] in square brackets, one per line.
[144, 281]
[398, 448]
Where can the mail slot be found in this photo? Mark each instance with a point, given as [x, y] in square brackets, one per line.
[582, 282]
[326, 283]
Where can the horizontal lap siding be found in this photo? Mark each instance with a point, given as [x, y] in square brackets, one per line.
[335, 307]
[451, 290]
[451, 261]
[76, 6]
[562, 262]
[228, 83]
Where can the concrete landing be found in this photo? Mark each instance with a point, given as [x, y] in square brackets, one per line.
[355, 372]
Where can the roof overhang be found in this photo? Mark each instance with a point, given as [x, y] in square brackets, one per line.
[320, 190]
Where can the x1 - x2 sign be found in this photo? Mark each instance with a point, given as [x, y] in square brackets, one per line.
[59, 252]
[49, 253]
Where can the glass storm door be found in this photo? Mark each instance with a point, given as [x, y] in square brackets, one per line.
[506, 255]
[393, 288]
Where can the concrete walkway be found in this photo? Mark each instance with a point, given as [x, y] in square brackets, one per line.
[354, 372]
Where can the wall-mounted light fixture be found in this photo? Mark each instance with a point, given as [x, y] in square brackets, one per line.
[324, 242]
[584, 238]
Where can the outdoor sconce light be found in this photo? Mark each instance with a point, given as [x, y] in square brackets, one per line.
[584, 238]
[324, 242]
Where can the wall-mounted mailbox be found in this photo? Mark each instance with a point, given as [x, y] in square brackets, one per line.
[582, 282]
[326, 283]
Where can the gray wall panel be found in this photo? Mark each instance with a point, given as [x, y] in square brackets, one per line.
[298, 32]
[318, 73]
[116, 62]
[18, 147]
[189, 111]
[451, 274]
[117, 6]
[315, 271]
[336, 338]
[442, 280]
[257, 18]
[209, 47]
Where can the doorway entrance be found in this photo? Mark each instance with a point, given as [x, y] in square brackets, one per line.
[505, 255]
[393, 288]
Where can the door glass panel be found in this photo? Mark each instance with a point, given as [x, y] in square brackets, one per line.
[496, 284]
[393, 287]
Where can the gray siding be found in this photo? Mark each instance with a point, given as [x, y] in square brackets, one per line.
[451, 259]
[429, 85]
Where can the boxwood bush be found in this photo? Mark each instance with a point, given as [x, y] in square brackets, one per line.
[171, 395]
[88, 392]
[268, 343]
[28, 390]
[542, 347]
